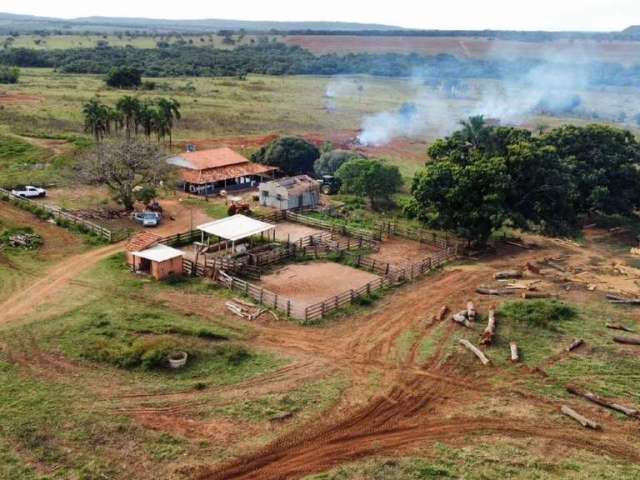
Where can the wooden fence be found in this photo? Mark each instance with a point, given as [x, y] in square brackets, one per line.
[59, 215]
[428, 237]
[324, 308]
[332, 227]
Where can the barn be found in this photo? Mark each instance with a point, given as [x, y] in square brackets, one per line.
[288, 193]
[207, 172]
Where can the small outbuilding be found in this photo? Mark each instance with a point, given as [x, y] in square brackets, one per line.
[288, 193]
[159, 261]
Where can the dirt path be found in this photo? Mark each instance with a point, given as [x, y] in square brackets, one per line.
[26, 301]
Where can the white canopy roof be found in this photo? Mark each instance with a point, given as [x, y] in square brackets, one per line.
[159, 253]
[236, 227]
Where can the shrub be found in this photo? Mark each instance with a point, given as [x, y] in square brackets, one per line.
[9, 74]
[124, 77]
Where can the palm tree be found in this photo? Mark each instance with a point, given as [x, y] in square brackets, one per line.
[148, 118]
[129, 107]
[169, 110]
[473, 130]
[96, 119]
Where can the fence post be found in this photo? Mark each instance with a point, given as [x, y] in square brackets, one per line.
[387, 270]
[288, 308]
[322, 309]
[275, 301]
[261, 295]
[368, 289]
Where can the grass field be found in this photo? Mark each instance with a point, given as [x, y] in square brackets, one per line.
[50, 42]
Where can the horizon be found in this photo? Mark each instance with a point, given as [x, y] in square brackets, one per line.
[578, 16]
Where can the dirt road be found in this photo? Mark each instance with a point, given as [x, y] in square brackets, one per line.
[41, 291]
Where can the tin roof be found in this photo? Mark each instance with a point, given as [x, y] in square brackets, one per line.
[235, 227]
[159, 253]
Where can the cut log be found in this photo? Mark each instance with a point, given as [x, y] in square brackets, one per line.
[575, 344]
[611, 296]
[627, 340]
[584, 421]
[461, 318]
[442, 313]
[490, 330]
[532, 268]
[592, 397]
[533, 295]
[556, 266]
[493, 291]
[514, 352]
[506, 274]
[471, 311]
[475, 350]
[626, 301]
[617, 326]
[516, 244]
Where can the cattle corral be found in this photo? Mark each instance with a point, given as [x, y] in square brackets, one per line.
[310, 283]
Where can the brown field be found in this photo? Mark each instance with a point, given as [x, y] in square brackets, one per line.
[292, 232]
[306, 284]
[469, 47]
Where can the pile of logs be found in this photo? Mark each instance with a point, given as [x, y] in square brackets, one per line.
[592, 397]
[466, 317]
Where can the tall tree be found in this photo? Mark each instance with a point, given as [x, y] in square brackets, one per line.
[125, 166]
[129, 107]
[169, 111]
[96, 119]
[373, 179]
[292, 155]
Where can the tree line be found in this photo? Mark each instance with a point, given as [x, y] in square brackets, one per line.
[273, 58]
[132, 116]
[483, 178]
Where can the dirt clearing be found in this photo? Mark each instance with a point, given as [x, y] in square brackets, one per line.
[311, 283]
[292, 232]
[400, 251]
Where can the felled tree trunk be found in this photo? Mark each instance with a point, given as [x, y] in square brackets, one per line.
[475, 350]
[592, 397]
[617, 326]
[530, 295]
[575, 344]
[471, 311]
[584, 421]
[505, 274]
[442, 313]
[490, 330]
[514, 352]
[461, 318]
[627, 340]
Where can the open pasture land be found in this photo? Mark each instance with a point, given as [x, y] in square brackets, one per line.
[625, 52]
[309, 283]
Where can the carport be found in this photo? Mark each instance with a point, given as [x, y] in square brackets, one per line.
[235, 228]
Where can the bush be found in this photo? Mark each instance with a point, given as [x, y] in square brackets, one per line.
[329, 162]
[9, 74]
[124, 77]
[538, 313]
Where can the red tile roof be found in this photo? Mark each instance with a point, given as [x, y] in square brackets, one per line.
[205, 159]
[199, 177]
[141, 241]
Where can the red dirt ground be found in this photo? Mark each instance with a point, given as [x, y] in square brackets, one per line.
[306, 284]
[288, 231]
[17, 98]
[400, 251]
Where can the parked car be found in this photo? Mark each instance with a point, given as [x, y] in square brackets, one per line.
[147, 219]
[29, 191]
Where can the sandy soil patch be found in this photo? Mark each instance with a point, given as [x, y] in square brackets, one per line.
[311, 283]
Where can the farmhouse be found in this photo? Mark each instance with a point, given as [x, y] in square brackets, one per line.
[146, 255]
[291, 192]
[207, 172]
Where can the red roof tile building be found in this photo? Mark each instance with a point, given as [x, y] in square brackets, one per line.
[207, 172]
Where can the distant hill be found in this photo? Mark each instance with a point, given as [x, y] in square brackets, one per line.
[632, 30]
[25, 23]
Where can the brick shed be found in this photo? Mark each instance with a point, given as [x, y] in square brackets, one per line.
[159, 261]
[146, 255]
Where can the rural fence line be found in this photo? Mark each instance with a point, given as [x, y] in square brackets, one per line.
[319, 310]
[345, 230]
[428, 237]
[59, 214]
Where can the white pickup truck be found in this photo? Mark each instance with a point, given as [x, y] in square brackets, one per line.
[28, 191]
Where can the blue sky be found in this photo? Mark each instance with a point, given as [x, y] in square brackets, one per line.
[444, 14]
